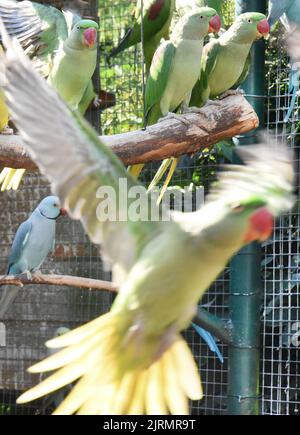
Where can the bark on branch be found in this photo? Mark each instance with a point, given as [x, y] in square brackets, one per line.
[60, 280]
[229, 117]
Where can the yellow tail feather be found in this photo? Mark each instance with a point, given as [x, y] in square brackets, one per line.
[110, 383]
[136, 170]
[10, 178]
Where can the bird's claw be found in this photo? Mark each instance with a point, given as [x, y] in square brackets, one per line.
[172, 115]
[29, 275]
[232, 92]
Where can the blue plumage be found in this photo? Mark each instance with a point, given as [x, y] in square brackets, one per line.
[33, 241]
[209, 339]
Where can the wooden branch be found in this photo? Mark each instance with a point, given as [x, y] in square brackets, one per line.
[60, 280]
[229, 117]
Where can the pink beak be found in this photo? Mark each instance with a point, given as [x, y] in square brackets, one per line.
[263, 27]
[215, 24]
[89, 37]
[63, 212]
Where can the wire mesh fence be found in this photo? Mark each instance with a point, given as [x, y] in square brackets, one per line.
[39, 311]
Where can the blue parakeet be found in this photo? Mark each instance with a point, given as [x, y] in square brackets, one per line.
[33, 241]
[288, 11]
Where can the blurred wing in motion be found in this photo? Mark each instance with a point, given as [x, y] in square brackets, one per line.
[69, 152]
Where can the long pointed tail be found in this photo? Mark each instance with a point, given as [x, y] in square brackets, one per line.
[167, 163]
[293, 89]
[210, 341]
[123, 45]
[10, 178]
[109, 383]
[136, 170]
[9, 294]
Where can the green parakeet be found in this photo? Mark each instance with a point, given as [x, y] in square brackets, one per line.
[175, 70]
[226, 60]
[64, 50]
[133, 360]
[156, 17]
[185, 6]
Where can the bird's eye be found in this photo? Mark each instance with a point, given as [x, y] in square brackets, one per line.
[55, 205]
[238, 208]
[201, 17]
[250, 21]
[78, 27]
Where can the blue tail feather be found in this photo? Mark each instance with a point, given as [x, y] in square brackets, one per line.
[209, 339]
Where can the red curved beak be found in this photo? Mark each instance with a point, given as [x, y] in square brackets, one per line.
[261, 226]
[63, 212]
[90, 37]
[264, 28]
[214, 24]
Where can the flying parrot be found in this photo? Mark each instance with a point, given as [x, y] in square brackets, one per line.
[175, 70]
[33, 241]
[226, 60]
[133, 360]
[64, 50]
[185, 6]
[288, 11]
[156, 17]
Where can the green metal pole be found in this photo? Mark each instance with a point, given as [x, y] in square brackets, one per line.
[245, 284]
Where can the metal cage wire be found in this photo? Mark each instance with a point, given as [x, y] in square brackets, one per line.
[38, 312]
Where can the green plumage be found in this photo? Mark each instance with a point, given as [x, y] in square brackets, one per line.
[174, 71]
[133, 359]
[156, 17]
[226, 60]
[174, 60]
[185, 6]
[57, 45]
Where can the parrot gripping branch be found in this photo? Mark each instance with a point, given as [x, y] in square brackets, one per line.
[169, 138]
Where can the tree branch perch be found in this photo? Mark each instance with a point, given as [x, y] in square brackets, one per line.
[60, 280]
[229, 117]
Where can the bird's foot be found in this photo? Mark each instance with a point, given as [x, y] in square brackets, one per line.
[202, 110]
[37, 273]
[7, 131]
[29, 275]
[232, 92]
[172, 115]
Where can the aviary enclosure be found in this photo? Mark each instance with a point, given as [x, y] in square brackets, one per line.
[40, 310]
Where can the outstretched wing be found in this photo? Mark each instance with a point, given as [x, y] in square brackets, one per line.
[85, 174]
[40, 29]
[268, 175]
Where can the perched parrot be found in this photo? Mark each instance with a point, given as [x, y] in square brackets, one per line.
[226, 60]
[288, 11]
[64, 50]
[156, 17]
[174, 71]
[185, 6]
[33, 241]
[133, 360]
